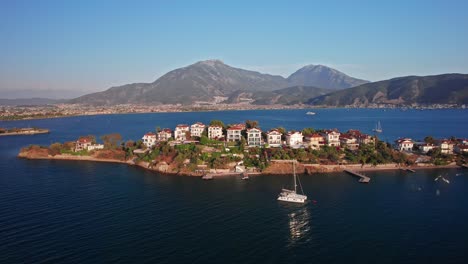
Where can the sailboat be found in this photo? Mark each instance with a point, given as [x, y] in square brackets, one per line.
[292, 195]
[378, 128]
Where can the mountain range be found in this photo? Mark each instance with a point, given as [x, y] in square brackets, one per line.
[435, 89]
[212, 80]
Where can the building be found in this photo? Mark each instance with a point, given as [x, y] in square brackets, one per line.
[82, 144]
[294, 138]
[196, 130]
[215, 132]
[314, 141]
[365, 139]
[149, 139]
[426, 147]
[274, 138]
[254, 137]
[461, 149]
[404, 144]
[95, 147]
[180, 132]
[332, 137]
[349, 142]
[234, 133]
[164, 135]
[446, 146]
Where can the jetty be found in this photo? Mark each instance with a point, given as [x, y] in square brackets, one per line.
[363, 178]
[211, 176]
[407, 169]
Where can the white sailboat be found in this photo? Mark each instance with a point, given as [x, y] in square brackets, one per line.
[378, 128]
[292, 195]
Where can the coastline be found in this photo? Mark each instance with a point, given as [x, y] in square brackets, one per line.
[272, 170]
[26, 133]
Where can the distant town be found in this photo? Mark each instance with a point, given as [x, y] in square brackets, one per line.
[63, 110]
[198, 149]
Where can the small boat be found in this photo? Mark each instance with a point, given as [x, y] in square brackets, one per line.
[310, 113]
[245, 176]
[378, 128]
[445, 180]
[438, 177]
[291, 195]
[207, 177]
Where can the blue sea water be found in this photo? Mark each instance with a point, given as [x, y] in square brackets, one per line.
[87, 212]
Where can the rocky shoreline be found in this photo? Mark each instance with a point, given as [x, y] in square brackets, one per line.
[275, 168]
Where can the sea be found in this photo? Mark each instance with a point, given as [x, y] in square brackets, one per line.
[88, 212]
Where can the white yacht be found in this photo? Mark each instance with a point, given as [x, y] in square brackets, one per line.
[378, 128]
[292, 195]
[310, 113]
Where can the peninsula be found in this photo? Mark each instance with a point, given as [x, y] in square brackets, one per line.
[22, 131]
[217, 148]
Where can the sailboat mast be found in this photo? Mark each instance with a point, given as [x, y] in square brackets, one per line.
[294, 173]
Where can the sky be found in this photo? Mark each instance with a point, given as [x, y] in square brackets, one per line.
[69, 48]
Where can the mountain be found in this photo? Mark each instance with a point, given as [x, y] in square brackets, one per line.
[30, 101]
[201, 81]
[436, 89]
[323, 77]
[285, 96]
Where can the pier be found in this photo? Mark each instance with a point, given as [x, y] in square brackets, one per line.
[211, 176]
[363, 178]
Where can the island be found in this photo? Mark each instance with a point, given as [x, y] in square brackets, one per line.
[235, 149]
[22, 131]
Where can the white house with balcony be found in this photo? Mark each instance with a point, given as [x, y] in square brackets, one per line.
[149, 139]
[314, 141]
[215, 132]
[294, 139]
[446, 146]
[164, 135]
[404, 144]
[426, 147]
[234, 133]
[274, 138]
[197, 129]
[180, 132]
[332, 137]
[254, 137]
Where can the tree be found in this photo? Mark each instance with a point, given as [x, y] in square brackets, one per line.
[429, 139]
[217, 123]
[158, 129]
[308, 131]
[251, 124]
[111, 141]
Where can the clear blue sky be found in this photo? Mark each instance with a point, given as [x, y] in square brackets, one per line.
[92, 45]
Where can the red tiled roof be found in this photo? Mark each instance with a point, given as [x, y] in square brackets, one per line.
[84, 140]
[150, 134]
[182, 125]
[235, 128]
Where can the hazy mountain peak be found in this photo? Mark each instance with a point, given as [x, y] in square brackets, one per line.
[324, 77]
[211, 62]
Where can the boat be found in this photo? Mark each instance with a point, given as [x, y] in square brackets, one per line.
[378, 128]
[292, 195]
[310, 113]
[245, 176]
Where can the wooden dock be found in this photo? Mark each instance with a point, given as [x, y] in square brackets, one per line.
[363, 178]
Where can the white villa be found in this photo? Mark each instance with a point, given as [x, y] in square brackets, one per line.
[215, 132]
[446, 146]
[294, 138]
[82, 143]
[314, 141]
[149, 139]
[254, 137]
[234, 133]
[332, 137]
[404, 144]
[349, 142]
[164, 135]
[425, 148]
[197, 129]
[180, 132]
[274, 138]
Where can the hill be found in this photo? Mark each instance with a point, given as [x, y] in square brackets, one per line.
[324, 77]
[207, 81]
[436, 89]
